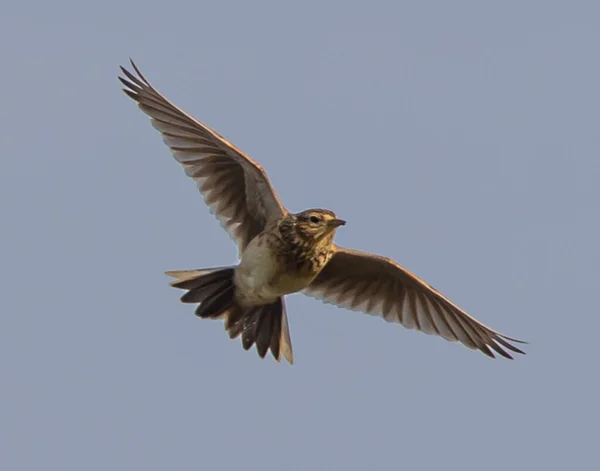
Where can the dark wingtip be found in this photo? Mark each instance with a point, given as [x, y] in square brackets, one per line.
[486, 350]
[510, 339]
[512, 348]
[505, 354]
[137, 71]
[130, 94]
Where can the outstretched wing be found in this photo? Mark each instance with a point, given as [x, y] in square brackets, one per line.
[236, 188]
[378, 285]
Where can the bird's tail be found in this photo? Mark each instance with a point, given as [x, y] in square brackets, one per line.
[214, 290]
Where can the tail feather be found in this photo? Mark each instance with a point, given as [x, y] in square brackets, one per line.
[217, 303]
[275, 335]
[189, 279]
[262, 326]
[214, 289]
[234, 323]
[201, 293]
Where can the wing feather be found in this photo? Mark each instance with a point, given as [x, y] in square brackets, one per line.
[379, 286]
[236, 188]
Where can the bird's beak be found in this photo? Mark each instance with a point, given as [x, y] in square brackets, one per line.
[333, 223]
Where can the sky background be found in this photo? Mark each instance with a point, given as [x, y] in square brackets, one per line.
[459, 138]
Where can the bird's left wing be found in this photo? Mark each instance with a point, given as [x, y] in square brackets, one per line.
[235, 187]
[378, 285]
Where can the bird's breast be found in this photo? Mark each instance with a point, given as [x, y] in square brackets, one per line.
[270, 268]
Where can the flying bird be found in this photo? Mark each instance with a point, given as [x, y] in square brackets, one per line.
[282, 252]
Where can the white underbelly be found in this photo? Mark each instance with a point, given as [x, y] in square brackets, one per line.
[261, 278]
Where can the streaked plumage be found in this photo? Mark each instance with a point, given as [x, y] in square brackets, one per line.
[281, 253]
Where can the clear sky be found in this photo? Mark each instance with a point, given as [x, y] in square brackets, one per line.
[460, 138]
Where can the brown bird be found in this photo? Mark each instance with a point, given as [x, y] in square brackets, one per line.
[282, 253]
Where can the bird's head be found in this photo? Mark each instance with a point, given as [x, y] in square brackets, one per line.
[317, 225]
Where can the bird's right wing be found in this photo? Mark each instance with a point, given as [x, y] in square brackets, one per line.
[377, 285]
[235, 187]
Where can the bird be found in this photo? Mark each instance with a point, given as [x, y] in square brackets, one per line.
[281, 252]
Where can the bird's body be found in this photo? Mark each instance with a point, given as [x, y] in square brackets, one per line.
[279, 262]
[260, 277]
[283, 253]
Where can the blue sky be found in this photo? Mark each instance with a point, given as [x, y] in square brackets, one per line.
[459, 138]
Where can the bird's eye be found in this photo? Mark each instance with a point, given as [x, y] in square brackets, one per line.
[314, 219]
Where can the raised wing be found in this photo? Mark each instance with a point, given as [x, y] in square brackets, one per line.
[379, 286]
[236, 188]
